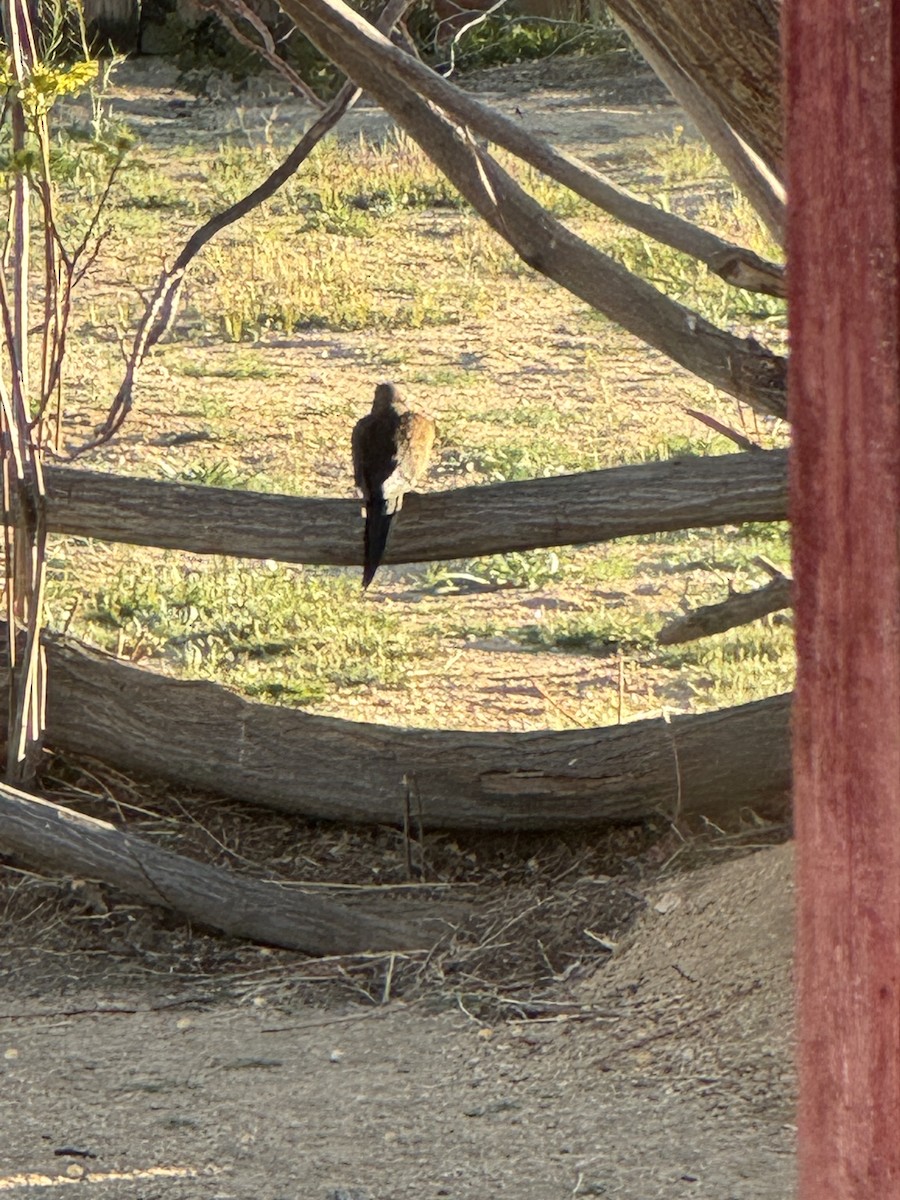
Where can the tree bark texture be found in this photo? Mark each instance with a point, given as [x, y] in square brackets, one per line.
[746, 168]
[46, 835]
[594, 506]
[201, 735]
[740, 367]
[731, 50]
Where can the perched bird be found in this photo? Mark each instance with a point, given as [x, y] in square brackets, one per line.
[391, 448]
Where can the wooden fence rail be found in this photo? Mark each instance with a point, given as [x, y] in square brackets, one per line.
[593, 506]
[200, 734]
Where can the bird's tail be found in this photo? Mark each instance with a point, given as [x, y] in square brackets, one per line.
[378, 526]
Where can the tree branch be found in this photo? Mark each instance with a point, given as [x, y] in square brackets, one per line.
[202, 735]
[738, 609]
[47, 835]
[592, 506]
[385, 65]
[738, 366]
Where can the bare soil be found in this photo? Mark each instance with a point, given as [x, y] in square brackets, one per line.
[665, 1073]
[595, 1021]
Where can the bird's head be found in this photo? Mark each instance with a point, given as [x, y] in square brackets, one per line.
[386, 397]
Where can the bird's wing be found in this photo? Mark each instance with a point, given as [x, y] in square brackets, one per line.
[357, 443]
[413, 442]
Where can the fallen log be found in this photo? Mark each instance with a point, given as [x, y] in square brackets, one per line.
[593, 506]
[201, 735]
[47, 835]
[738, 609]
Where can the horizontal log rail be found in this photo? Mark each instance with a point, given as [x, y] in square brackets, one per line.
[202, 735]
[593, 506]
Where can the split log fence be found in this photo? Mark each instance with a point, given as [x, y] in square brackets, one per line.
[200, 734]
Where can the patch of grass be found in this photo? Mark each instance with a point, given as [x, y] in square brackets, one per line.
[771, 538]
[239, 366]
[220, 473]
[680, 159]
[445, 377]
[738, 666]
[320, 281]
[504, 462]
[679, 445]
[348, 188]
[519, 569]
[600, 631]
[731, 550]
[149, 187]
[691, 283]
[599, 566]
[476, 251]
[342, 186]
[287, 633]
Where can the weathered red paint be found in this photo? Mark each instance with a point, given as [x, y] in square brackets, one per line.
[843, 117]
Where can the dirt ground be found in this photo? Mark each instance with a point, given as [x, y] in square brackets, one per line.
[665, 1073]
[598, 1021]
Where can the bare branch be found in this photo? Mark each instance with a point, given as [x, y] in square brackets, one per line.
[739, 439]
[738, 609]
[265, 47]
[738, 366]
[349, 37]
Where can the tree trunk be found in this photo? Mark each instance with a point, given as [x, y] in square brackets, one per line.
[731, 50]
[746, 168]
[46, 835]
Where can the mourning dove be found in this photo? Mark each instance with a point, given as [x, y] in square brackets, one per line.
[391, 448]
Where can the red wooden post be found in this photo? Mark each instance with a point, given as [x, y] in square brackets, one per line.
[843, 118]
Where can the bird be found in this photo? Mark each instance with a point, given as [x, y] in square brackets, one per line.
[391, 448]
